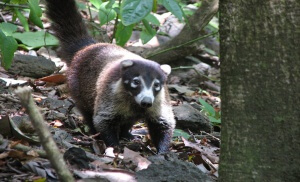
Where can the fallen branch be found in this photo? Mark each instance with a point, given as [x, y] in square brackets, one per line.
[187, 41]
[52, 151]
[25, 148]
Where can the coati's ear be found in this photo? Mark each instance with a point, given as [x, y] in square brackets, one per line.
[126, 63]
[166, 68]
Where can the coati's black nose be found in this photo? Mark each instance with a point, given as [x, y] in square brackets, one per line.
[146, 102]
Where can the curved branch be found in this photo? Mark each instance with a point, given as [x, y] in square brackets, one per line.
[173, 50]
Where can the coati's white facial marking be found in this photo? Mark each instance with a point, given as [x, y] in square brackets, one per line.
[146, 96]
[156, 85]
[135, 82]
[126, 81]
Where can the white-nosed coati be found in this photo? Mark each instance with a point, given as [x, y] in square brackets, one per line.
[112, 87]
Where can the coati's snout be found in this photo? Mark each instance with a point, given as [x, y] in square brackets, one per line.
[144, 80]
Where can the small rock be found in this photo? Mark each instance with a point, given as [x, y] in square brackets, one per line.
[190, 118]
[171, 26]
[51, 54]
[32, 53]
[31, 66]
[172, 171]
[52, 115]
[55, 103]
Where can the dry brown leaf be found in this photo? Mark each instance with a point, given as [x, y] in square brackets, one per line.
[3, 155]
[58, 79]
[136, 158]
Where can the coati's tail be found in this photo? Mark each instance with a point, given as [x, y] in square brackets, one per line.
[68, 26]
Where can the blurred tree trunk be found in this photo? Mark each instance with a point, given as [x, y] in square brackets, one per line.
[260, 73]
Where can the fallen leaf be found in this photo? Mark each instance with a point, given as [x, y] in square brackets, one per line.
[136, 158]
[4, 155]
[58, 79]
[118, 175]
[182, 89]
[56, 123]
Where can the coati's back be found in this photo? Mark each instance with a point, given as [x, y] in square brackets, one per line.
[80, 51]
[111, 86]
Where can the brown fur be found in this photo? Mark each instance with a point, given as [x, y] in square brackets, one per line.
[95, 79]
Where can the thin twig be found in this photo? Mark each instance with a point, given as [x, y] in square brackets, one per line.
[53, 154]
[115, 26]
[181, 45]
[198, 73]
[25, 148]
[9, 98]
[3, 17]
[14, 5]
[211, 136]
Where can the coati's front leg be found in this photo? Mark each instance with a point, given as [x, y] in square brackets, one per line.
[108, 126]
[160, 131]
[124, 130]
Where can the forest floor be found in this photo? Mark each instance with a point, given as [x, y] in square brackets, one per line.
[194, 152]
[22, 157]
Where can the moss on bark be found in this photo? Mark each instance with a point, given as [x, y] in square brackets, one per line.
[260, 77]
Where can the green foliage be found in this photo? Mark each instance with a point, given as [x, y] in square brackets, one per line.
[106, 14]
[35, 13]
[22, 19]
[123, 34]
[8, 43]
[214, 117]
[151, 18]
[173, 7]
[96, 3]
[8, 28]
[127, 13]
[147, 33]
[179, 133]
[32, 40]
[110, 4]
[133, 11]
[8, 46]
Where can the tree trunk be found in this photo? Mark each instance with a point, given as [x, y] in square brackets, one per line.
[260, 78]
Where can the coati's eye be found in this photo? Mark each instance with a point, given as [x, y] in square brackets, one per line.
[135, 82]
[156, 85]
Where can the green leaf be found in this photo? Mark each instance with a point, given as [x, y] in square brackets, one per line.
[81, 5]
[214, 23]
[178, 133]
[35, 13]
[173, 7]
[210, 51]
[18, 1]
[214, 120]
[147, 33]
[22, 19]
[151, 18]
[106, 15]
[96, 3]
[207, 107]
[36, 39]
[8, 28]
[154, 8]
[8, 46]
[123, 34]
[133, 11]
[110, 4]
